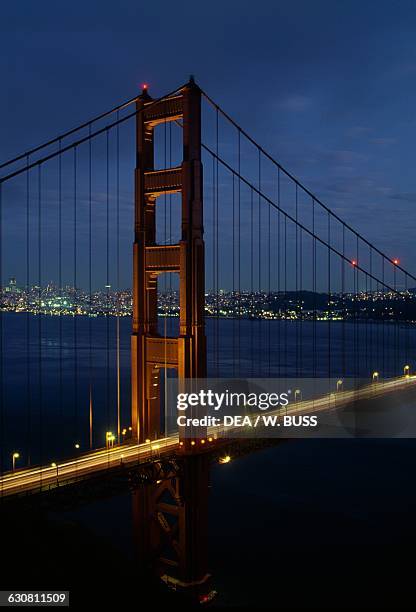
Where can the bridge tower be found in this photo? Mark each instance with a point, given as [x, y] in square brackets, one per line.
[150, 351]
[170, 523]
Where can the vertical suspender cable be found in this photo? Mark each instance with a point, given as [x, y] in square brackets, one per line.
[40, 317]
[356, 313]
[217, 321]
[165, 321]
[329, 297]
[314, 356]
[169, 242]
[383, 347]
[90, 288]
[214, 335]
[239, 252]
[279, 294]
[233, 275]
[252, 281]
[118, 278]
[406, 313]
[260, 297]
[60, 281]
[286, 297]
[269, 296]
[370, 319]
[108, 280]
[344, 306]
[296, 283]
[396, 306]
[75, 303]
[300, 310]
[170, 236]
[28, 360]
[366, 323]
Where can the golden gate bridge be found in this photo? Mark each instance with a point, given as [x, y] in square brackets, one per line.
[200, 201]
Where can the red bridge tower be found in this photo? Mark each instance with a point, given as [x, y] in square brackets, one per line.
[150, 351]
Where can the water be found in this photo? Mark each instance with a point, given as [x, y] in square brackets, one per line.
[47, 383]
[309, 523]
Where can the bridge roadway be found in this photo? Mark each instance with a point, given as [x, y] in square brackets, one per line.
[88, 464]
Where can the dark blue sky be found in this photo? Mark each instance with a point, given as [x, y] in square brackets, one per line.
[328, 87]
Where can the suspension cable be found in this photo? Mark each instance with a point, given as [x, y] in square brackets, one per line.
[300, 185]
[88, 137]
[290, 217]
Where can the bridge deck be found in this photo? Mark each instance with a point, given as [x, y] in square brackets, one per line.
[34, 479]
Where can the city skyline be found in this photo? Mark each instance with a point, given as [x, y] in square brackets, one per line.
[289, 305]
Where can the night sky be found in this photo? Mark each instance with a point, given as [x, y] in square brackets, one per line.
[327, 87]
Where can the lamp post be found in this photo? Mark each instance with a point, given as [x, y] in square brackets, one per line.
[55, 465]
[14, 457]
[375, 376]
[339, 384]
[109, 439]
[406, 370]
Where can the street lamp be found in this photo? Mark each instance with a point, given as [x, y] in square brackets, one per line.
[55, 465]
[298, 392]
[225, 459]
[109, 438]
[339, 384]
[375, 376]
[406, 370]
[14, 457]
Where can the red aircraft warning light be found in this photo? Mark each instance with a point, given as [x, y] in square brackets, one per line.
[354, 262]
[396, 261]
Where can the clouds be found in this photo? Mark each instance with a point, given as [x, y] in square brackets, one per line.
[384, 142]
[296, 103]
[404, 197]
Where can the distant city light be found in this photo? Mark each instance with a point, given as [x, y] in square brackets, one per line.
[275, 305]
